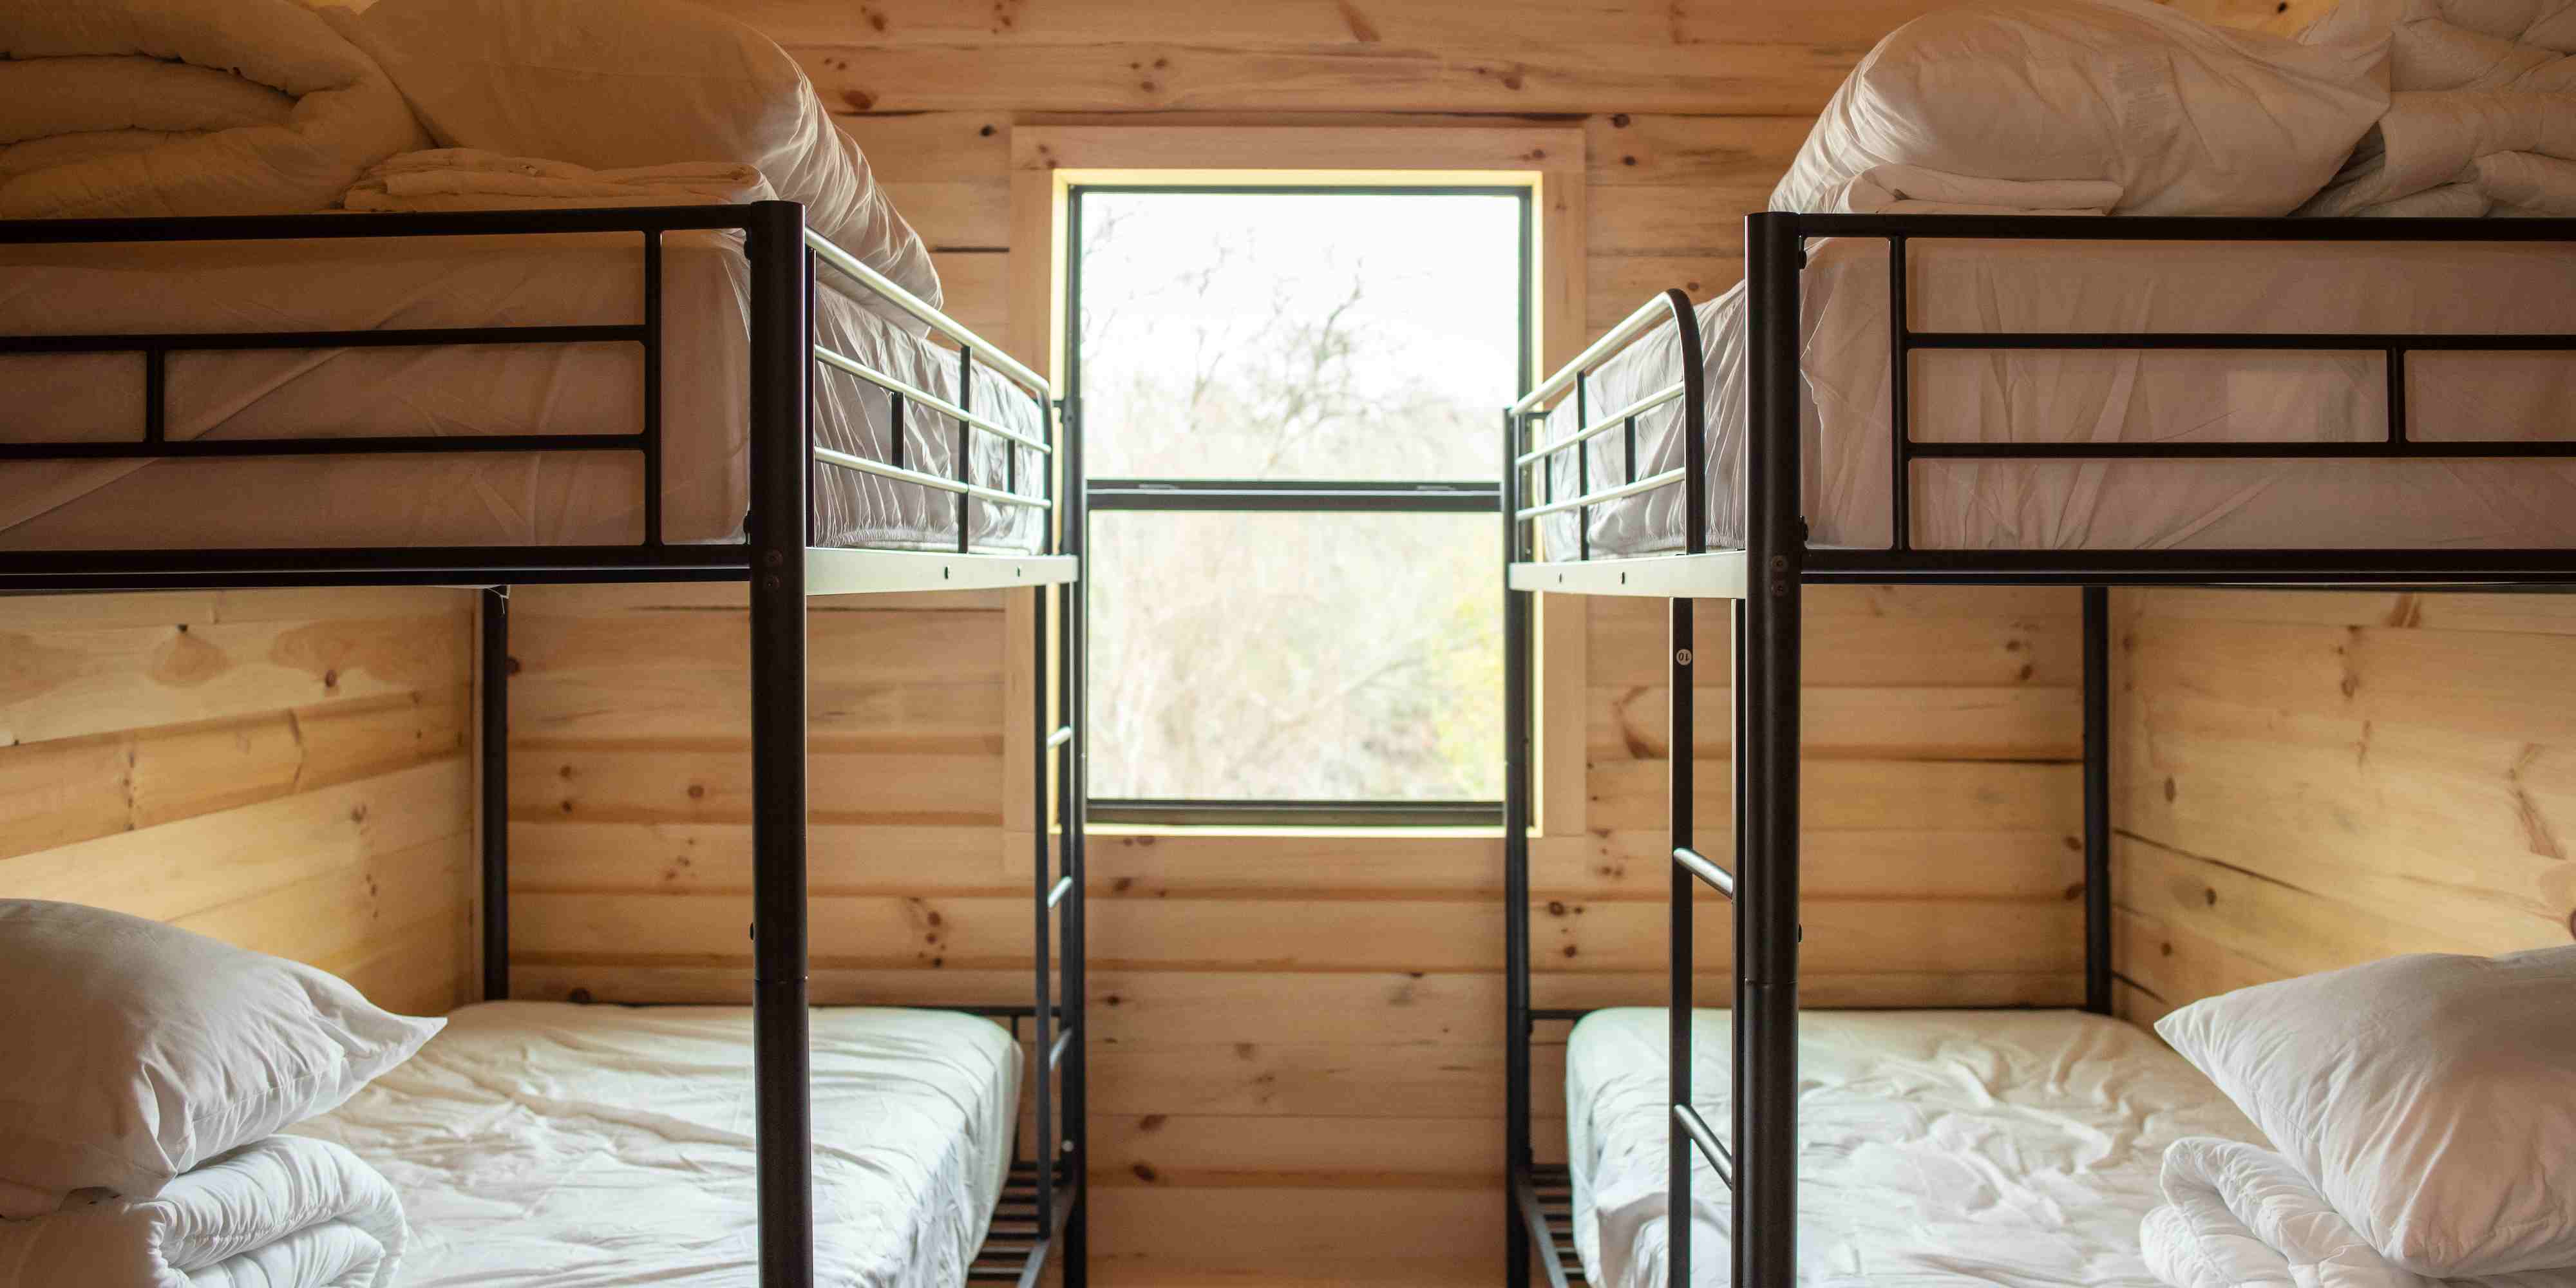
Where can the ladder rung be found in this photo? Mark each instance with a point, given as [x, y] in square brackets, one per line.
[1710, 1147]
[1062, 735]
[1063, 887]
[1697, 865]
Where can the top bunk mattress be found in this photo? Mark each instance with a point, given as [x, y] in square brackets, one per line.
[544, 1143]
[2038, 396]
[461, 391]
[1935, 1147]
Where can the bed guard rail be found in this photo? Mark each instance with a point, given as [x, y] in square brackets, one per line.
[1575, 377]
[652, 554]
[899, 392]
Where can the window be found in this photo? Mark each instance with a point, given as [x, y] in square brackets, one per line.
[1291, 407]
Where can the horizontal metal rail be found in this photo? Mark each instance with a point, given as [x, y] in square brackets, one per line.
[863, 465]
[391, 444]
[2286, 342]
[2365, 450]
[386, 338]
[925, 398]
[1697, 864]
[1635, 324]
[905, 300]
[341, 226]
[1646, 484]
[1613, 421]
[2180, 228]
[1710, 1147]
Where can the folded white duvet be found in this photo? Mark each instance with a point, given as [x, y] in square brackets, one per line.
[2483, 120]
[2237, 1215]
[284, 1212]
[474, 179]
[185, 107]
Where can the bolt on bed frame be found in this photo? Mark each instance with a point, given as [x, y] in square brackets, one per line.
[1762, 582]
[1043, 1212]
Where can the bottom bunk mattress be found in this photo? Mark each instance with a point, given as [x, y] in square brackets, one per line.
[2121, 396]
[461, 391]
[1935, 1147]
[598, 1146]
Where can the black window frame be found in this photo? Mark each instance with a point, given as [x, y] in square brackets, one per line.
[1408, 496]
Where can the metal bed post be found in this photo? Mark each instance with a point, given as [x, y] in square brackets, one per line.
[2097, 800]
[1766, 992]
[1517, 1020]
[781, 452]
[494, 734]
[1074, 794]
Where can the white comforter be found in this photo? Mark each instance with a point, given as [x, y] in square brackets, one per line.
[2483, 120]
[285, 1212]
[2237, 1214]
[547, 1145]
[185, 107]
[2013, 1148]
[473, 179]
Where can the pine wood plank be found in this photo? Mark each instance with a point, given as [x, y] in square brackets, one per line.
[1158, 74]
[187, 867]
[2025, 722]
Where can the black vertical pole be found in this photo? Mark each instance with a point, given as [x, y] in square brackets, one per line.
[1681, 789]
[1042, 1150]
[495, 753]
[1766, 1220]
[780, 453]
[2097, 800]
[1517, 1155]
[1677, 1012]
[1074, 699]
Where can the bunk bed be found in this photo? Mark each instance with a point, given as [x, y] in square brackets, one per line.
[2424, 446]
[866, 459]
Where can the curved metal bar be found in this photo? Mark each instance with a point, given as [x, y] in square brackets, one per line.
[885, 288]
[1619, 337]
[1613, 421]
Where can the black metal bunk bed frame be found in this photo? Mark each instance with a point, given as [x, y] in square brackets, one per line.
[1042, 1219]
[1761, 583]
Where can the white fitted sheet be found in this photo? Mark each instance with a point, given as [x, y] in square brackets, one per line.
[597, 1146]
[456, 390]
[2037, 396]
[1935, 1147]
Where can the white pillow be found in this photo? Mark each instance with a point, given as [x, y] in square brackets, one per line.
[612, 84]
[2431, 1098]
[136, 1050]
[2187, 119]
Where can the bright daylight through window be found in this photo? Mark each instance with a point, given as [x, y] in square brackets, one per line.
[1291, 410]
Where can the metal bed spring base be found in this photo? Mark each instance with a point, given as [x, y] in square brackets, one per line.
[1042, 1217]
[1761, 583]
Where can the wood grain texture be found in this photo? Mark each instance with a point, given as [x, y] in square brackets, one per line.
[2308, 781]
[285, 771]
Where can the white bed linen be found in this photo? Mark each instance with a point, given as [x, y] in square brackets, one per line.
[280, 1212]
[2037, 396]
[2238, 1214]
[1936, 1147]
[589, 1146]
[455, 390]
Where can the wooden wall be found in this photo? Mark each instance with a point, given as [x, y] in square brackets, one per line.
[2312, 780]
[284, 770]
[1297, 1040]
